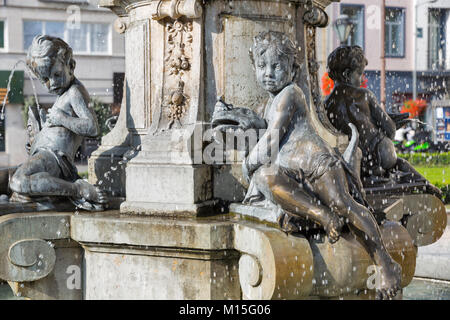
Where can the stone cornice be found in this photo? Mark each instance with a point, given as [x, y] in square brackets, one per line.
[121, 7]
[163, 8]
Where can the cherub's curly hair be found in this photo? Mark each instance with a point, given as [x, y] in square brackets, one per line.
[45, 50]
[280, 41]
[343, 58]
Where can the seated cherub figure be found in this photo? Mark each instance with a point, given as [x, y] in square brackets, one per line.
[349, 103]
[57, 135]
[307, 178]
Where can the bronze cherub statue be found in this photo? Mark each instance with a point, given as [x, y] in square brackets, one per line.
[349, 103]
[307, 179]
[56, 136]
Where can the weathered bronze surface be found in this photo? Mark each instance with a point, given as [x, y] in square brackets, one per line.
[54, 136]
[227, 117]
[307, 178]
[349, 103]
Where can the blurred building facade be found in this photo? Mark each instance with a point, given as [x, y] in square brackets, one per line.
[98, 50]
[415, 42]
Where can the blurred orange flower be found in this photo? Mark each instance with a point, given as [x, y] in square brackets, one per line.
[328, 84]
[364, 82]
[414, 107]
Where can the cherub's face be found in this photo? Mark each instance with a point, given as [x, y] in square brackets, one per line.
[56, 78]
[273, 71]
[355, 77]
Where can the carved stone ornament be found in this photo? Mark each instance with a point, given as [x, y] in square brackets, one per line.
[316, 17]
[178, 8]
[26, 254]
[120, 25]
[177, 62]
[179, 34]
[176, 104]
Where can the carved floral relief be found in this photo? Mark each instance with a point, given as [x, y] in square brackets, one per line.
[179, 36]
[177, 64]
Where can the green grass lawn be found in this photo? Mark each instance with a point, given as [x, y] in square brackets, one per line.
[436, 175]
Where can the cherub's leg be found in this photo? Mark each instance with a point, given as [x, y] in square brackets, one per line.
[40, 176]
[291, 197]
[332, 189]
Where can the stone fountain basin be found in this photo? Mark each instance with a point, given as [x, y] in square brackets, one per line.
[226, 256]
[223, 257]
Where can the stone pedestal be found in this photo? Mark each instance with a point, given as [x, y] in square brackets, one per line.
[180, 56]
[221, 257]
[157, 258]
[110, 255]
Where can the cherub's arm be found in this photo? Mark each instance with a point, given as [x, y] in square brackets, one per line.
[381, 118]
[269, 142]
[85, 124]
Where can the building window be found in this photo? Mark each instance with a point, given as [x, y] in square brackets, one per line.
[2, 34]
[394, 41]
[86, 38]
[356, 15]
[437, 46]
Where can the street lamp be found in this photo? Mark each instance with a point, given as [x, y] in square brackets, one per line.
[343, 26]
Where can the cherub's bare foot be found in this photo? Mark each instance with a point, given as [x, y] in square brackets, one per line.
[390, 282]
[333, 228]
[90, 193]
